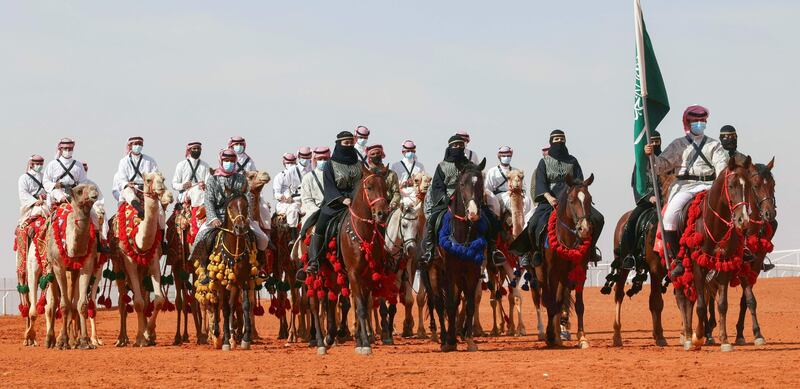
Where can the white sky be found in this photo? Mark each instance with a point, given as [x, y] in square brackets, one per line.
[287, 74]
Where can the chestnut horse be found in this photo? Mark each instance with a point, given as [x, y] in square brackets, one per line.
[724, 215]
[361, 246]
[566, 257]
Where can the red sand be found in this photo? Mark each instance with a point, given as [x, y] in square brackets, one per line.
[501, 362]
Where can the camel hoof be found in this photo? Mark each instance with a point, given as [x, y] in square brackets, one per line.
[687, 345]
[683, 338]
[617, 341]
[422, 335]
[324, 351]
[178, 341]
[434, 338]
[364, 350]
[448, 348]
[97, 342]
[760, 342]
[661, 342]
[522, 332]
[583, 345]
[709, 341]
[226, 347]
[245, 345]
[472, 347]
[185, 338]
[726, 348]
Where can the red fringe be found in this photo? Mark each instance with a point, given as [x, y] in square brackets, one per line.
[576, 256]
[59, 231]
[128, 227]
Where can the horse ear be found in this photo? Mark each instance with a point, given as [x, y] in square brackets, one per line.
[589, 180]
[747, 162]
[771, 164]
[482, 165]
[731, 163]
[568, 179]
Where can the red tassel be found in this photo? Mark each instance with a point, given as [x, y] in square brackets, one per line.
[345, 292]
[320, 294]
[331, 296]
[23, 311]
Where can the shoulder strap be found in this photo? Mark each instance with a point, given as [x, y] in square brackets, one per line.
[67, 170]
[38, 184]
[698, 152]
[241, 166]
[316, 179]
[410, 172]
[135, 167]
[193, 177]
[505, 179]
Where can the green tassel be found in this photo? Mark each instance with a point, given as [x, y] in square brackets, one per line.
[45, 279]
[163, 280]
[23, 289]
[107, 274]
[147, 282]
[111, 275]
[298, 285]
[258, 287]
[170, 280]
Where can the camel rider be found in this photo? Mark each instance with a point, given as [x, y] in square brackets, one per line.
[643, 203]
[98, 207]
[190, 173]
[62, 174]
[224, 184]
[243, 161]
[497, 183]
[362, 139]
[698, 160]
[441, 192]
[375, 156]
[129, 179]
[286, 190]
[471, 155]
[550, 184]
[339, 177]
[312, 188]
[304, 159]
[405, 169]
[32, 196]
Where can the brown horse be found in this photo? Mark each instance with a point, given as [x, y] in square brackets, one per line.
[566, 257]
[178, 250]
[654, 268]
[723, 217]
[362, 249]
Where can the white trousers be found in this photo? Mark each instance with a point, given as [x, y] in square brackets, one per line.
[291, 210]
[679, 199]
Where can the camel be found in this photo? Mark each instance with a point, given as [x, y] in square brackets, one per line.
[71, 250]
[98, 275]
[255, 182]
[138, 255]
[516, 219]
[30, 263]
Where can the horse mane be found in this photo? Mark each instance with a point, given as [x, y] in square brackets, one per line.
[764, 171]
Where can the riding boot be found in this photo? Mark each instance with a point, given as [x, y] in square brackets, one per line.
[292, 236]
[427, 242]
[314, 252]
[671, 244]
[525, 262]
[137, 205]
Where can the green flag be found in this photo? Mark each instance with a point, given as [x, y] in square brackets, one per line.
[651, 104]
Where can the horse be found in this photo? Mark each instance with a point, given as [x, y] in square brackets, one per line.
[361, 246]
[232, 267]
[650, 259]
[716, 221]
[569, 234]
[180, 226]
[403, 231]
[283, 275]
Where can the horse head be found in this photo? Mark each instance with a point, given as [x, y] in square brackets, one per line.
[237, 219]
[736, 191]
[373, 192]
[764, 190]
[470, 190]
[576, 205]
[410, 221]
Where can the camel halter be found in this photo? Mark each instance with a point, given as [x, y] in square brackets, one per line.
[731, 208]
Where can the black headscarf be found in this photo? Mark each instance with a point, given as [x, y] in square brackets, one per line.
[455, 155]
[344, 154]
[729, 143]
[558, 150]
[655, 135]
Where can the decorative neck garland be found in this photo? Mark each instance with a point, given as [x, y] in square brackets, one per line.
[470, 251]
[59, 224]
[128, 227]
[577, 256]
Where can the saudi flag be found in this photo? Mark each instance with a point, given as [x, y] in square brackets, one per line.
[650, 105]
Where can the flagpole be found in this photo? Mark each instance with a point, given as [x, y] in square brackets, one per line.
[638, 17]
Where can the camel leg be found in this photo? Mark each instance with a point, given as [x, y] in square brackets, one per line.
[32, 275]
[61, 280]
[135, 284]
[722, 307]
[619, 297]
[50, 317]
[179, 308]
[656, 307]
[98, 275]
[82, 309]
[583, 341]
[154, 272]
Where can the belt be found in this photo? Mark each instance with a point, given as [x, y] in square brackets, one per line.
[697, 178]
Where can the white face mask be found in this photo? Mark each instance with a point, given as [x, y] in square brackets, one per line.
[136, 149]
[321, 163]
[362, 141]
[505, 160]
[303, 162]
[66, 154]
[238, 149]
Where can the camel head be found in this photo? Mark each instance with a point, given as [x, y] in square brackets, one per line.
[166, 199]
[257, 179]
[154, 183]
[422, 182]
[515, 181]
[84, 196]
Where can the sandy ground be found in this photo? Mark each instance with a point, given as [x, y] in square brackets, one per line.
[500, 362]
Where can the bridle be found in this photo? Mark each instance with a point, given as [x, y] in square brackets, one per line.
[731, 208]
[403, 240]
[463, 219]
[240, 251]
[370, 202]
[573, 231]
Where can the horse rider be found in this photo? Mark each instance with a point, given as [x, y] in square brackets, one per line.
[362, 139]
[645, 201]
[225, 183]
[286, 190]
[189, 174]
[312, 188]
[497, 183]
[375, 156]
[32, 196]
[129, 178]
[62, 174]
[243, 161]
[339, 177]
[440, 194]
[304, 159]
[699, 160]
[405, 169]
[550, 176]
[471, 155]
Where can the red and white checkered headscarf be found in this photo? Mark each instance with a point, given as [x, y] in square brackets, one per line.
[322, 152]
[464, 135]
[63, 142]
[131, 141]
[409, 145]
[505, 151]
[35, 159]
[236, 140]
[362, 131]
[304, 152]
[289, 158]
[693, 113]
[372, 148]
[225, 155]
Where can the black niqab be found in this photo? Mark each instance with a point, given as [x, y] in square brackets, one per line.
[344, 154]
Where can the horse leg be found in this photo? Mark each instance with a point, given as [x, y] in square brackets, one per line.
[448, 332]
[702, 307]
[343, 332]
[656, 307]
[384, 318]
[363, 345]
[423, 307]
[722, 306]
[752, 305]
[536, 295]
[179, 307]
[469, 286]
[247, 333]
[711, 319]
[477, 328]
[742, 311]
[583, 341]
[227, 317]
[408, 303]
[619, 297]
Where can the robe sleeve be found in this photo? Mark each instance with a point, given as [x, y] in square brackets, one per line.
[438, 189]
[26, 199]
[542, 185]
[211, 194]
[332, 195]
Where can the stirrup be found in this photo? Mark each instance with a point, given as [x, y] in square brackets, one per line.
[629, 262]
[498, 258]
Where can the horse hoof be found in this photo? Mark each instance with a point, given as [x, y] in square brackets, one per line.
[245, 345]
[759, 341]
[687, 345]
[226, 347]
[740, 342]
[725, 348]
[683, 338]
[324, 351]
[709, 341]
[177, 341]
[583, 345]
[617, 341]
[661, 342]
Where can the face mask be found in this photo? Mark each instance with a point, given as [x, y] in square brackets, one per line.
[238, 149]
[194, 154]
[362, 141]
[228, 166]
[698, 128]
[304, 162]
[137, 149]
[38, 168]
[505, 160]
[729, 144]
[321, 164]
[409, 155]
[657, 150]
[376, 160]
[66, 154]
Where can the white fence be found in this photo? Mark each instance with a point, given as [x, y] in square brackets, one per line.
[787, 264]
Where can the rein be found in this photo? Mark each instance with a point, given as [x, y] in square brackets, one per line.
[731, 208]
